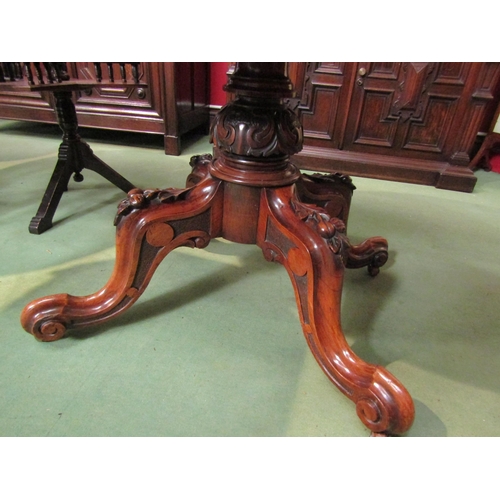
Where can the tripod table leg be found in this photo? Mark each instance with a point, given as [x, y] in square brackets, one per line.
[314, 249]
[149, 225]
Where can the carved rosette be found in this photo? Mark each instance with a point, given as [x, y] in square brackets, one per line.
[267, 130]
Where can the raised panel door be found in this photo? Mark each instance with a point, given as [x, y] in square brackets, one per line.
[411, 122]
[323, 90]
[406, 109]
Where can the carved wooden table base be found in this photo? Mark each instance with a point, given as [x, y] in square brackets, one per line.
[251, 193]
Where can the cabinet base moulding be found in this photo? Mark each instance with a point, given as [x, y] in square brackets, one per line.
[411, 170]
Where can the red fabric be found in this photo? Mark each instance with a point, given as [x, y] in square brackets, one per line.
[218, 79]
[495, 163]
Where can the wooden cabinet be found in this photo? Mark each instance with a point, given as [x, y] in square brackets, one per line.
[411, 122]
[174, 102]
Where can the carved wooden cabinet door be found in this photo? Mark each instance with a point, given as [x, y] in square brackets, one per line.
[414, 109]
[323, 94]
[413, 122]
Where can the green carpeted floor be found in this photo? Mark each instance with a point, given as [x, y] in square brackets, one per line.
[214, 347]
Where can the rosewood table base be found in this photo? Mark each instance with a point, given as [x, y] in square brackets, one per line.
[249, 196]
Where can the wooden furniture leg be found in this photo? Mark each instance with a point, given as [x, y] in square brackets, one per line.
[150, 224]
[314, 249]
[251, 193]
[333, 192]
[74, 155]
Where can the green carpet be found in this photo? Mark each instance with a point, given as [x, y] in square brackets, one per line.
[214, 347]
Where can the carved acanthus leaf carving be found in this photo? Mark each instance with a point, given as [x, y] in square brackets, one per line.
[138, 198]
[329, 228]
[199, 169]
[332, 178]
[258, 131]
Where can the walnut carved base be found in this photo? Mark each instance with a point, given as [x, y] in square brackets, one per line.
[301, 226]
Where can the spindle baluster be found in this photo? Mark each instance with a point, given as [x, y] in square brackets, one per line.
[48, 72]
[123, 72]
[10, 71]
[110, 72]
[28, 73]
[135, 72]
[98, 72]
[38, 72]
[18, 73]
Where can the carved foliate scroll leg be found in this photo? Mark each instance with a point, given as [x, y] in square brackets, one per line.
[150, 225]
[313, 248]
[333, 192]
[372, 253]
